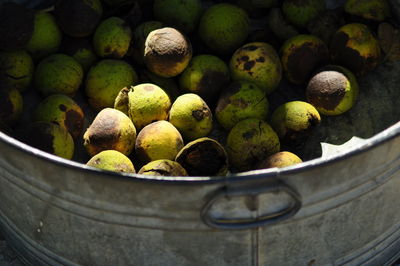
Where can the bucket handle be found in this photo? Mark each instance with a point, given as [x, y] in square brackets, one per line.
[251, 222]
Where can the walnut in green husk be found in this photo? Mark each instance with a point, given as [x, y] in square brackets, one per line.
[375, 10]
[204, 157]
[257, 62]
[239, 101]
[224, 27]
[249, 142]
[183, 15]
[158, 140]
[163, 167]
[17, 68]
[147, 103]
[299, 13]
[167, 52]
[58, 74]
[61, 110]
[112, 160]
[293, 122]
[355, 47]
[51, 138]
[11, 106]
[106, 79]
[280, 159]
[78, 18]
[112, 38]
[206, 75]
[191, 115]
[110, 130]
[301, 56]
[333, 90]
[46, 37]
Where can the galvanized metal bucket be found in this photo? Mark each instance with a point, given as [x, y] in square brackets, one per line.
[338, 209]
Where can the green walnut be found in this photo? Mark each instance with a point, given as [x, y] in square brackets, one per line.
[51, 138]
[158, 140]
[58, 74]
[46, 37]
[110, 130]
[169, 85]
[227, 20]
[205, 75]
[78, 18]
[183, 15]
[355, 47]
[105, 80]
[248, 142]
[112, 160]
[81, 50]
[167, 52]
[301, 56]
[293, 121]
[224, 27]
[257, 62]
[139, 38]
[18, 69]
[16, 26]
[375, 10]
[280, 160]
[204, 157]
[112, 38]
[240, 101]
[191, 115]
[163, 167]
[300, 13]
[61, 110]
[146, 103]
[333, 90]
[11, 106]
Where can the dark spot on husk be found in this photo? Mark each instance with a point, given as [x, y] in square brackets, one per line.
[62, 107]
[76, 18]
[248, 65]
[40, 137]
[74, 122]
[348, 57]
[123, 167]
[211, 85]
[327, 89]
[104, 133]
[16, 26]
[244, 58]
[260, 59]
[202, 113]
[305, 59]
[204, 158]
[224, 99]
[241, 103]
[165, 49]
[249, 134]
[97, 161]
[296, 138]
[249, 48]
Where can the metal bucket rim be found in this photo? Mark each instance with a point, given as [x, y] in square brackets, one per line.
[383, 136]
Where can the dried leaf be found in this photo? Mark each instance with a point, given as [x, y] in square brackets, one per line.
[389, 40]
